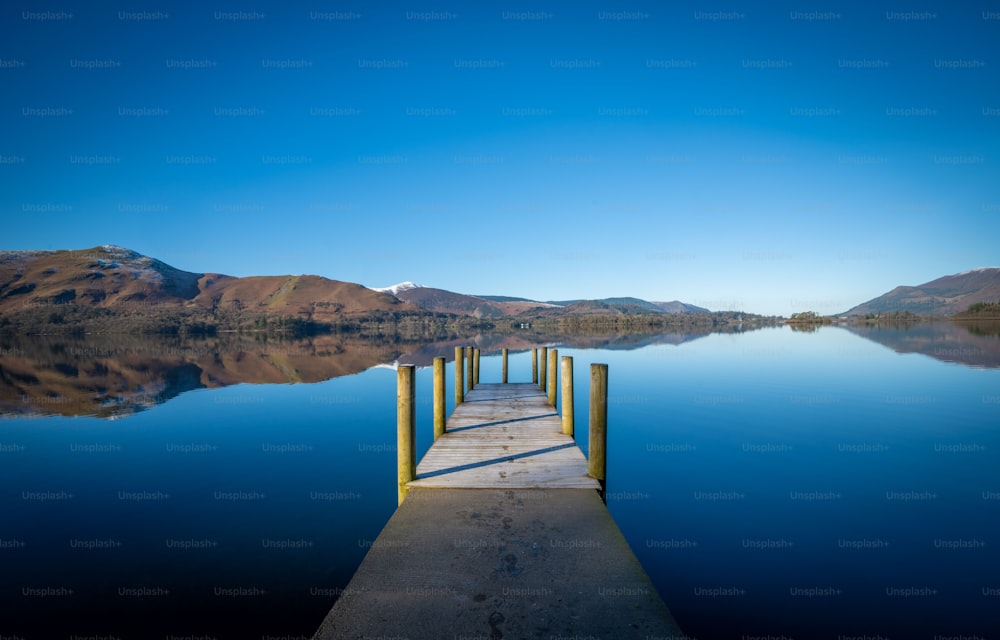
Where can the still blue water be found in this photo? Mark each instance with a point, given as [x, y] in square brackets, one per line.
[811, 485]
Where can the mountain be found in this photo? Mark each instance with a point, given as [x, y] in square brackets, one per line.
[317, 297]
[396, 289]
[111, 288]
[442, 301]
[941, 297]
[512, 305]
[111, 277]
[105, 276]
[626, 305]
[606, 307]
[677, 306]
[510, 299]
[629, 305]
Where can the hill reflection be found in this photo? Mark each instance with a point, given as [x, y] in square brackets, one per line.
[972, 344]
[113, 376]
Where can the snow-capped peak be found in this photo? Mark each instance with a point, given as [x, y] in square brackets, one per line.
[979, 270]
[396, 289]
[121, 253]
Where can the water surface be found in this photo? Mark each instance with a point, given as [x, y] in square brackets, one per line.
[806, 484]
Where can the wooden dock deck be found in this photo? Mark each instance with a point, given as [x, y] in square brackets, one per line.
[504, 436]
[503, 534]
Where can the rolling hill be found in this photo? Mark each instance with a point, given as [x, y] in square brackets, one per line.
[129, 291]
[676, 306]
[442, 301]
[111, 277]
[104, 276]
[941, 297]
[621, 306]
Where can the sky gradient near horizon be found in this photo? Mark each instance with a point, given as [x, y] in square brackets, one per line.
[770, 158]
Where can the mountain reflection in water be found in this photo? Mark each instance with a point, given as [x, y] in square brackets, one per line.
[973, 344]
[113, 376]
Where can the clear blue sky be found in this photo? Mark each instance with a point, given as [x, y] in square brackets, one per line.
[771, 157]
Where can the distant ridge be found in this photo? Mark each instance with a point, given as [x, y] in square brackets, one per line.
[117, 283]
[676, 306]
[510, 299]
[442, 301]
[619, 303]
[941, 297]
[632, 305]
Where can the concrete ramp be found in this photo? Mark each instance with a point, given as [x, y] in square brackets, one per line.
[500, 563]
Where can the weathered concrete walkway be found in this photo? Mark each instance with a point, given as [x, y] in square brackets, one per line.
[504, 436]
[482, 563]
[535, 554]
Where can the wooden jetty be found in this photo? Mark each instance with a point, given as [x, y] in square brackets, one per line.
[504, 436]
[501, 530]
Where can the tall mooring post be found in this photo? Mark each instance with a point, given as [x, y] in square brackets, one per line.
[553, 384]
[597, 463]
[475, 367]
[406, 451]
[459, 384]
[439, 415]
[543, 356]
[534, 366]
[469, 369]
[503, 365]
[567, 395]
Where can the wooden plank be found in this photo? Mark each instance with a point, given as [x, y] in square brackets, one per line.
[465, 556]
[473, 563]
[504, 436]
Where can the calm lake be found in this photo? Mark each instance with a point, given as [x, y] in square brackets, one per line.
[838, 483]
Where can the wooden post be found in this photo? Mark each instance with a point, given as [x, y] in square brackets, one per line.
[459, 385]
[468, 369]
[567, 396]
[475, 367]
[553, 384]
[439, 416]
[534, 366]
[503, 366]
[541, 367]
[597, 463]
[406, 451]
